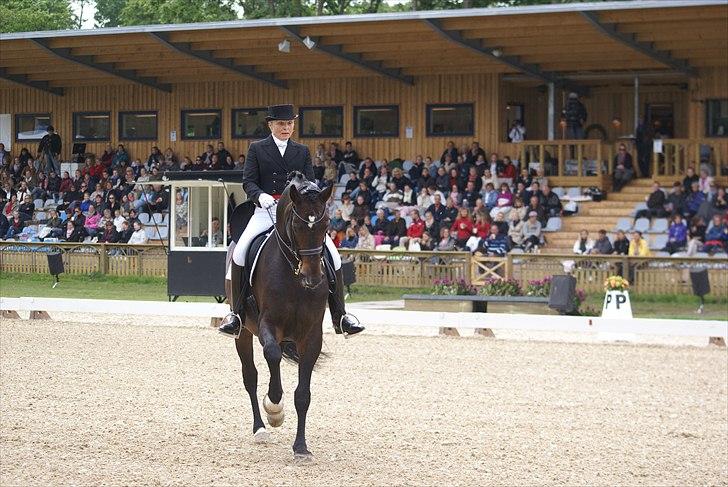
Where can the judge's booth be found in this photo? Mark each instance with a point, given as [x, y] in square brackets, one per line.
[201, 203]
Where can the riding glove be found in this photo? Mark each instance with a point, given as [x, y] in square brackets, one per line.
[265, 200]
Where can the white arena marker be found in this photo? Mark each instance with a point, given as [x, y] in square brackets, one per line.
[617, 305]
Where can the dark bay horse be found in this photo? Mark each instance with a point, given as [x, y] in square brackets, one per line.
[291, 293]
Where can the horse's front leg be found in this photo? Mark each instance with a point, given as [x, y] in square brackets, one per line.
[273, 401]
[309, 353]
[244, 346]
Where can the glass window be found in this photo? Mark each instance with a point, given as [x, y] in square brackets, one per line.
[138, 125]
[181, 217]
[380, 121]
[450, 119]
[201, 124]
[92, 126]
[249, 123]
[31, 126]
[321, 122]
[199, 217]
[716, 124]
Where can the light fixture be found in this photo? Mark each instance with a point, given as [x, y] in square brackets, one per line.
[496, 52]
[616, 122]
[308, 42]
[284, 46]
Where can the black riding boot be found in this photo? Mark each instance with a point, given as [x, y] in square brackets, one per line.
[233, 321]
[343, 322]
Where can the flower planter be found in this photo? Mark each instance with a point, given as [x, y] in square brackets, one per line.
[521, 308]
[423, 304]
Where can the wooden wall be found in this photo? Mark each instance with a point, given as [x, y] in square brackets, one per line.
[712, 83]
[482, 90]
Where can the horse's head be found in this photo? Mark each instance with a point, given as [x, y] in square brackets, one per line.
[304, 221]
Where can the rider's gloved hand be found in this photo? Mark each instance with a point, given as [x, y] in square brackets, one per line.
[266, 201]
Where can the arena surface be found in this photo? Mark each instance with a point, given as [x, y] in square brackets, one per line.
[91, 404]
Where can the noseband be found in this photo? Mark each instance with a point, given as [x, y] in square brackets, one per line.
[294, 252]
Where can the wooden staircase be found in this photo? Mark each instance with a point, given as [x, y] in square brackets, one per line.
[594, 216]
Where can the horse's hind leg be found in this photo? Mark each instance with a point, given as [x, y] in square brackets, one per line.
[309, 354]
[272, 403]
[244, 346]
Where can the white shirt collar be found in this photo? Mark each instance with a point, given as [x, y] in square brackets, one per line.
[279, 143]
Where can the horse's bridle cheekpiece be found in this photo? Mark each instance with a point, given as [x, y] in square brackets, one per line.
[280, 112]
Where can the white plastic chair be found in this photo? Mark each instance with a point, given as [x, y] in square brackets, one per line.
[658, 242]
[553, 224]
[38, 203]
[660, 225]
[573, 192]
[143, 218]
[558, 191]
[624, 224]
[642, 225]
[637, 208]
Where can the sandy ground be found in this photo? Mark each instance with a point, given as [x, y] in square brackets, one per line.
[90, 404]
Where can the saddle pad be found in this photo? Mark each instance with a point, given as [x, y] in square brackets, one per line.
[251, 260]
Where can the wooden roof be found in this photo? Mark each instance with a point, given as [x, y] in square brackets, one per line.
[547, 43]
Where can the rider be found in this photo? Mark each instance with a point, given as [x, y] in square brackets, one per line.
[268, 163]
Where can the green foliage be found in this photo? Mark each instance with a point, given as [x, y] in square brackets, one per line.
[446, 287]
[501, 287]
[108, 12]
[35, 15]
[144, 12]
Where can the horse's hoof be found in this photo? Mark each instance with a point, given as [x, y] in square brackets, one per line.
[275, 420]
[303, 458]
[272, 408]
[261, 436]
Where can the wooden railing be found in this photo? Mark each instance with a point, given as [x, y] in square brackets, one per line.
[80, 258]
[678, 154]
[649, 275]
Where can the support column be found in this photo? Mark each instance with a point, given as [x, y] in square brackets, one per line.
[636, 104]
[551, 111]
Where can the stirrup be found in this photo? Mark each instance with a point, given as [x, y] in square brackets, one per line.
[240, 328]
[355, 322]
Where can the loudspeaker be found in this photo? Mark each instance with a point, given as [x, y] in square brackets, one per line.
[55, 264]
[561, 297]
[700, 281]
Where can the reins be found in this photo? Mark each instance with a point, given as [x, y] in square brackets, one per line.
[296, 254]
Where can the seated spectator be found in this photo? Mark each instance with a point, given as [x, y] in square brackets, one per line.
[222, 153]
[4, 224]
[75, 232]
[350, 240]
[437, 208]
[696, 235]
[399, 179]
[502, 224]
[26, 208]
[450, 213]
[447, 242]
[535, 205]
[504, 202]
[704, 181]
[602, 245]
[54, 224]
[393, 195]
[396, 229]
[690, 178]
[496, 245]
[551, 202]
[228, 164]
[109, 233]
[509, 170]
[409, 198]
[92, 221]
[139, 236]
[470, 195]
[621, 244]
[481, 230]
[353, 182]
[361, 209]
[366, 240]
[126, 231]
[677, 235]
[425, 180]
[716, 237]
[623, 168]
[338, 222]
[121, 157]
[159, 201]
[515, 230]
[417, 227]
[676, 200]
[423, 199]
[531, 232]
[655, 204]
[15, 225]
[462, 228]
[240, 165]
[524, 178]
[520, 211]
[431, 225]
[442, 180]
[380, 181]
[583, 244]
[489, 179]
[639, 246]
[694, 200]
[427, 243]
[490, 196]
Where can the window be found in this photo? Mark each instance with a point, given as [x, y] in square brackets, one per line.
[450, 119]
[137, 125]
[321, 122]
[199, 217]
[716, 123]
[376, 121]
[249, 123]
[201, 124]
[31, 126]
[92, 126]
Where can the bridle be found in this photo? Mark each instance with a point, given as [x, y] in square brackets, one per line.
[292, 254]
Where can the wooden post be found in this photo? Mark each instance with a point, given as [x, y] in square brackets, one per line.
[560, 156]
[599, 159]
[509, 266]
[486, 332]
[449, 331]
[579, 159]
[103, 260]
[655, 157]
[542, 156]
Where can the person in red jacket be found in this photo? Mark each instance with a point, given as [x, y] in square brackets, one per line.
[462, 228]
[509, 170]
[96, 170]
[417, 227]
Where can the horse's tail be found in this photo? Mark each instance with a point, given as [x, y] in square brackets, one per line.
[290, 351]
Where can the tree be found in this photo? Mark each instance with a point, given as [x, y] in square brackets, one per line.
[108, 12]
[141, 12]
[33, 15]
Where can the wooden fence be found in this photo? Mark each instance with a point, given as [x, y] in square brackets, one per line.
[648, 275]
[678, 154]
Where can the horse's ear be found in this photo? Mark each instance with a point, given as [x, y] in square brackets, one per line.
[294, 194]
[326, 194]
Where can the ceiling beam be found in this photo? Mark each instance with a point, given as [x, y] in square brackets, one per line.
[354, 58]
[108, 68]
[225, 63]
[646, 48]
[477, 45]
[25, 81]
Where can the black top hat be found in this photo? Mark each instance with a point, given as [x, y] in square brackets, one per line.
[280, 112]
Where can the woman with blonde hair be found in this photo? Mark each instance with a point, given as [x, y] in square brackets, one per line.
[366, 240]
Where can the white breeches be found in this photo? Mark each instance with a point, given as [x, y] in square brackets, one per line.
[259, 223]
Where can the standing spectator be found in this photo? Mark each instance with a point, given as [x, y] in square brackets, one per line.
[638, 246]
[583, 244]
[602, 245]
[531, 232]
[575, 115]
[139, 236]
[677, 235]
[623, 168]
[50, 149]
[517, 134]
